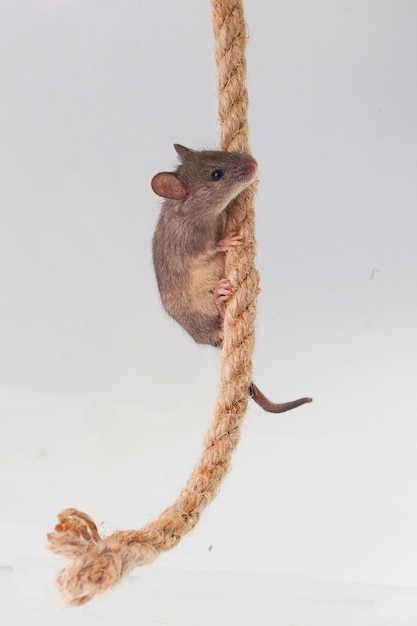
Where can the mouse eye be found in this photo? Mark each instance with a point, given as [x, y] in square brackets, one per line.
[217, 174]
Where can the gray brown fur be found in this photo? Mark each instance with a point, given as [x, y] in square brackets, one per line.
[187, 251]
[190, 242]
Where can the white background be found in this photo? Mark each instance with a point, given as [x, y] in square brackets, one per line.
[104, 401]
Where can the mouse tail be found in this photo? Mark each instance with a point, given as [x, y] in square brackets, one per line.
[273, 407]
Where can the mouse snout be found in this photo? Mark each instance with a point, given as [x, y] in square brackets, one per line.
[248, 169]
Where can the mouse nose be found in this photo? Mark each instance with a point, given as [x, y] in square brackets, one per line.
[248, 169]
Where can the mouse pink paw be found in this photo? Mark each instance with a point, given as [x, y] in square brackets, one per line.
[222, 294]
[229, 242]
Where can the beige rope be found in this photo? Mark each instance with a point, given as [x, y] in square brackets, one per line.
[99, 563]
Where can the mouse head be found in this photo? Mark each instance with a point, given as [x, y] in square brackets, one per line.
[206, 179]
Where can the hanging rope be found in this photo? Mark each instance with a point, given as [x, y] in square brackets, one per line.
[99, 563]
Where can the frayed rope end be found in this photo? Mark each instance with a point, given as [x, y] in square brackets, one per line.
[98, 563]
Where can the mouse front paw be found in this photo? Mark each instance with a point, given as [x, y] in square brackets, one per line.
[229, 242]
[222, 294]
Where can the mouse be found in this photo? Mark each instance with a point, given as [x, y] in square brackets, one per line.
[191, 240]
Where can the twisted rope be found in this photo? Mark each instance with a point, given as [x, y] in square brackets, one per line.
[99, 563]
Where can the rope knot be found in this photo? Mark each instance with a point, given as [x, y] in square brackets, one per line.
[98, 563]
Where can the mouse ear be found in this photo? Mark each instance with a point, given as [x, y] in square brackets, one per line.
[182, 151]
[167, 185]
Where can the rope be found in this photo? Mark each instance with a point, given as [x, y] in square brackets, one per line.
[99, 563]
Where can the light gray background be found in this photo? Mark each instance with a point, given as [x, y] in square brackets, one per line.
[104, 401]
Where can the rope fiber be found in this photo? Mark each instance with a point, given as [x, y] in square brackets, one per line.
[98, 563]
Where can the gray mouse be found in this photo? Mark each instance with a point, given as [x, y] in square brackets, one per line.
[191, 239]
